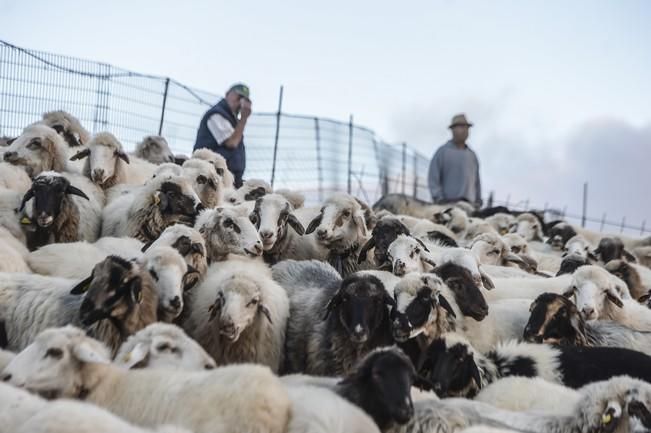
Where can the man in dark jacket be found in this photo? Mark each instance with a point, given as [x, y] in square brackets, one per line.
[221, 131]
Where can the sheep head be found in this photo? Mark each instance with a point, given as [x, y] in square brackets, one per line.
[189, 243]
[206, 182]
[386, 231]
[52, 364]
[529, 227]
[559, 234]
[39, 148]
[409, 254]
[105, 155]
[238, 305]
[341, 223]
[503, 223]
[218, 162]
[419, 307]
[613, 249]
[68, 126]
[228, 230]
[112, 291]
[49, 191]
[466, 290]
[272, 215]
[164, 346]
[596, 292]
[555, 320]
[359, 306]
[154, 149]
[490, 249]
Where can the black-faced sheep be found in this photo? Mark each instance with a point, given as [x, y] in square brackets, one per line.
[61, 212]
[233, 399]
[155, 149]
[556, 320]
[239, 314]
[332, 322]
[145, 213]
[119, 298]
[384, 233]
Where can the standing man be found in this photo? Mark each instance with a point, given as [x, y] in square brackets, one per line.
[221, 131]
[454, 170]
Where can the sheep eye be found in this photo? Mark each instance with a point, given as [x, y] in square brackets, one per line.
[153, 274]
[163, 347]
[417, 251]
[252, 302]
[201, 179]
[253, 218]
[54, 352]
[346, 213]
[232, 200]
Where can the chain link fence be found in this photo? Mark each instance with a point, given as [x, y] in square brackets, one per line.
[314, 155]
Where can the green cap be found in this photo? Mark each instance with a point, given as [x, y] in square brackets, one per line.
[240, 89]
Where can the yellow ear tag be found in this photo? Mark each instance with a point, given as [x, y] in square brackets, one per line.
[25, 221]
[606, 418]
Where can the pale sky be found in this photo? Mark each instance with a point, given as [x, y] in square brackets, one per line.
[560, 92]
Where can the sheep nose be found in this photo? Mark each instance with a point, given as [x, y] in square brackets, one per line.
[6, 377]
[175, 302]
[322, 234]
[10, 156]
[98, 174]
[266, 234]
[258, 248]
[587, 312]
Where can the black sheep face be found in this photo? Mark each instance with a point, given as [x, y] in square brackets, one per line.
[112, 289]
[360, 306]
[174, 201]
[466, 291]
[554, 320]
[559, 235]
[48, 193]
[450, 368]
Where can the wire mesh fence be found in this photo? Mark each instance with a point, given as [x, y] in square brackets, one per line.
[314, 155]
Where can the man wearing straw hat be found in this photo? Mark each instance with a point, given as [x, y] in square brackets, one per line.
[222, 129]
[454, 170]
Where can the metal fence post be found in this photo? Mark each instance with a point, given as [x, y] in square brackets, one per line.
[278, 114]
[621, 230]
[585, 203]
[319, 163]
[643, 227]
[404, 166]
[162, 111]
[415, 175]
[350, 153]
[603, 221]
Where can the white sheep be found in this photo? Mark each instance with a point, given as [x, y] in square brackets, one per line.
[529, 394]
[13, 253]
[145, 213]
[14, 177]
[108, 163]
[218, 162]
[235, 399]
[228, 230]
[503, 223]
[154, 149]
[490, 249]
[527, 288]
[39, 148]
[22, 412]
[239, 314]
[10, 217]
[529, 227]
[601, 295]
[208, 185]
[455, 219]
[161, 345]
[251, 190]
[188, 241]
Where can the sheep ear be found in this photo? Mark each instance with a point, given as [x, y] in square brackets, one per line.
[147, 245]
[442, 238]
[191, 278]
[123, 156]
[386, 266]
[629, 257]
[80, 155]
[136, 290]
[422, 244]
[370, 220]
[333, 303]
[388, 299]
[27, 197]
[220, 171]
[295, 224]
[138, 355]
[592, 256]
[73, 190]
[255, 194]
[427, 258]
[360, 222]
[446, 306]
[85, 352]
[214, 308]
[82, 287]
[486, 280]
[514, 258]
[58, 128]
[569, 292]
[421, 382]
[160, 198]
[316, 222]
[264, 310]
[644, 298]
[476, 374]
[613, 297]
[365, 248]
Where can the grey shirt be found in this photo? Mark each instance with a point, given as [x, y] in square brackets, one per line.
[454, 174]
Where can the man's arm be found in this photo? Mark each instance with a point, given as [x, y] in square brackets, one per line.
[434, 178]
[236, 137]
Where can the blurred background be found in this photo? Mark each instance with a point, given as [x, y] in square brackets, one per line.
[559, 92]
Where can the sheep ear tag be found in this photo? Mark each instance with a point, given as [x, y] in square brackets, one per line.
[25, 221]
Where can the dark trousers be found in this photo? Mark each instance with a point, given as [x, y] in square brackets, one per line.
[238, 178]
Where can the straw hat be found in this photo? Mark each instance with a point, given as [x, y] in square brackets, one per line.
[460, 120]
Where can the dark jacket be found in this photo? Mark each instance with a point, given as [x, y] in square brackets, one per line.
[235, 158]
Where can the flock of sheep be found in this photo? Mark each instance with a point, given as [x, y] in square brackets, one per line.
[141, 292]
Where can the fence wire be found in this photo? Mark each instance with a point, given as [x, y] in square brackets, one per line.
[312, 155]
